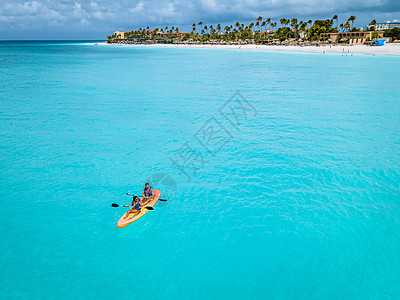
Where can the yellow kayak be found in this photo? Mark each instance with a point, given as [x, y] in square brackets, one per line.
[123, 222]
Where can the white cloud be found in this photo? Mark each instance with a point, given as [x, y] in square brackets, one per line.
[31, 7]
[107, 15]
[138, 8]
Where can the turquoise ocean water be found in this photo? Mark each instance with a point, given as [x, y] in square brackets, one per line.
[296, 199]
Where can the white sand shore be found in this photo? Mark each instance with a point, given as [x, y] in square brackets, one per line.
[388, 49]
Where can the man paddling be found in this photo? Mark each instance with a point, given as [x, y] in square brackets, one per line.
[147, 193]
[136, 207]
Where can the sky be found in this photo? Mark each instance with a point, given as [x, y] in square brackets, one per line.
[95, 19]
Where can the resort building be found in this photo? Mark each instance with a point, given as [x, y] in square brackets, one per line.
[119, 34]
[356, 37]
[387, 25]
[267, 31]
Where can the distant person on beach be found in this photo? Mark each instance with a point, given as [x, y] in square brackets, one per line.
[136, 207]
[147, 193]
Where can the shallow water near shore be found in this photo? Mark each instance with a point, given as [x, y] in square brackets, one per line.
[342, 49]
[301, 202]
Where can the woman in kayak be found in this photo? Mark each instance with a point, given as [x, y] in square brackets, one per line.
[147, 193]
[136, 207]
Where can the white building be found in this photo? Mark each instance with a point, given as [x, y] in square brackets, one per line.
[119, 34]
[387, 25]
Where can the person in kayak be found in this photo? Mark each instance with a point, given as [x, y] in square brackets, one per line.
[147, 193]
[136, 207]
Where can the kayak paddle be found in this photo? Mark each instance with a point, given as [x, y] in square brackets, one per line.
[116, 205]
[146, 197]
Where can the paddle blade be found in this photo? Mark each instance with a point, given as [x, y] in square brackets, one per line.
[149, 208]
[162, 199]
[114, 205]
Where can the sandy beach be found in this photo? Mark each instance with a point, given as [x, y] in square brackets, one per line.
[388, 49]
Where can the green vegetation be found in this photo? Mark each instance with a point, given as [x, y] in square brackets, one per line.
[393, 33]
[291, 30]
[283, 34]
[372, 24]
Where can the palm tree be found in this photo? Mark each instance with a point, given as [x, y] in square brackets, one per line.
[251, 25]
[264, 24]
[237, 24]
[309, 22]
[273, 25]
[259, 22]
[347, 26]
[372, 24]
[294, 25]
[351, 19]
[212, 30]
[200, 24]
[194, 27]
[227, 29]
[342, 26]
[282, 21]
[219, 28]
[303, 25]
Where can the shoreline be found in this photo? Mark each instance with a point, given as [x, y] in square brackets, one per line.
[388, 49]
